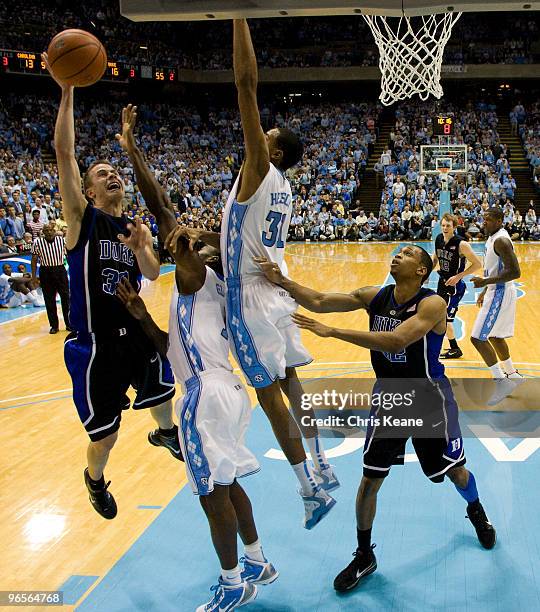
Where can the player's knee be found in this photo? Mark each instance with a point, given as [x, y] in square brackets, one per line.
[369, 486]
[270, 396]
[476, 342]
[290, 374]
[459, 476]
[106, 444]
[214, 503]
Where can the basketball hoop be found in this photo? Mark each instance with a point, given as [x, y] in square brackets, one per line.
[411, 55]
[443, 175]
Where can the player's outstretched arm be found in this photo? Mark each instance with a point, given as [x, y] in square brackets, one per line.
[69, 177]
[257, 160]
[190, 269]
[141, 243]
[154, 195]
[137, 309]
[315, 300]
[431, 312]
[510, 270]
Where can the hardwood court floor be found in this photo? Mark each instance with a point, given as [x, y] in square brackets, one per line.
[50, 533]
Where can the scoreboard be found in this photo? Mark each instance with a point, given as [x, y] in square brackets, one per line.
[29, 62]
[443, 126]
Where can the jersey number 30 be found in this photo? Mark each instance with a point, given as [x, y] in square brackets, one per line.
[111, 278]
[272, 236]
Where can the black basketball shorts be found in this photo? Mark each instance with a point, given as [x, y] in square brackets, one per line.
[103, 369]
[436, 454]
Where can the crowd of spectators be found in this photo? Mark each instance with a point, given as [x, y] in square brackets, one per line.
[409, 200]
[298, 42]
[525, 120]
[196, 158]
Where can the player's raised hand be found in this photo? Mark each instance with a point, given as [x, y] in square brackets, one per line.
[129, 118]
[311, 325]
[478, 282]
[139, 236]
[270, 269]
[131, 299]
[61, 84]
[190, 234]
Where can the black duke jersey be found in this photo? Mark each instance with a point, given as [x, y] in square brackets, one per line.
[96, 265]
[450, 261]
[418, 360]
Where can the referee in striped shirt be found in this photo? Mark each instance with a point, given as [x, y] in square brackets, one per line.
[50, 251]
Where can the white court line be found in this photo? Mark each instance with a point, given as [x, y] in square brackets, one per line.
[313, 364]
[13, 399]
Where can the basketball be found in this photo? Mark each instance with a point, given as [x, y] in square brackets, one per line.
[77, 57]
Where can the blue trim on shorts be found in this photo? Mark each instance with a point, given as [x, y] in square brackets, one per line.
[493, 313]
[195, 459]
[241, 339]
[453, 302]
[77, 357]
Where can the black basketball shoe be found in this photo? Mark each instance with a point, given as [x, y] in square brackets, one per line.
[170, 442]
[452, 354]
[363, 564]
[101, 499]
[487, 536]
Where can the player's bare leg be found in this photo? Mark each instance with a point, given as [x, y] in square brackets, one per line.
[504, 384]
[257, 568]
[97, 456]
[232, 590]
[364, 562]
[167, 433]
[292, 388]
[503, 353]
[317, 502]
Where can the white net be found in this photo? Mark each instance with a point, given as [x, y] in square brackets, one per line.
[411, 54]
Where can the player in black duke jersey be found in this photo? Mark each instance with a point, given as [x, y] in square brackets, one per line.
[108, 351]
[407, 325]
[451, 255]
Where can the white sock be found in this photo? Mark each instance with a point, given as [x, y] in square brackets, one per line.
[508, 366]
[231, 576]
[31, 298]
[318, 456]
[304, 473]
[496, 371]
[254, 552]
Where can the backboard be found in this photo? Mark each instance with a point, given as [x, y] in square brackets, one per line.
[436, 159]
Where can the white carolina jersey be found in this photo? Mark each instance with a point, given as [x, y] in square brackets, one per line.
[492, 262]
[257, 227]
[197, 335]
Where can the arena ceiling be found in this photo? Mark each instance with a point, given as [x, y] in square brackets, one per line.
[191, 10]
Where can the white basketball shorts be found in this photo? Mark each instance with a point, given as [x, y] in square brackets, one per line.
[262, 335]
[213, 418]
[497, 316]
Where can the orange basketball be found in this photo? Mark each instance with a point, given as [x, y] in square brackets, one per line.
[77, 57]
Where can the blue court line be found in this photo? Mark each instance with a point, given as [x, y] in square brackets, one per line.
[149, 507]
[43, 401]
[75, 587]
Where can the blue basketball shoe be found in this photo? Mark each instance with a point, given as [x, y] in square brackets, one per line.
[229, 597]
[316, 507]
[327, 478]
[258, 572]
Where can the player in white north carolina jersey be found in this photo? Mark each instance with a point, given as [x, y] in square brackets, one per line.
[497, 302]
[263, 337]
[215, 411]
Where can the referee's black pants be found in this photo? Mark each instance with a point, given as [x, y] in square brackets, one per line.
[53, 280]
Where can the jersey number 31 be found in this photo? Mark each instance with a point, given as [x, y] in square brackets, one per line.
[272, 236]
